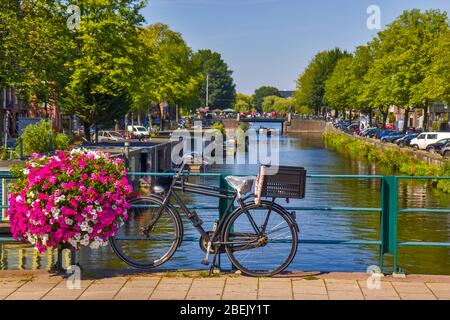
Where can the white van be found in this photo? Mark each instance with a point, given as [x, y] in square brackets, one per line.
[423, 140]
[138, 131]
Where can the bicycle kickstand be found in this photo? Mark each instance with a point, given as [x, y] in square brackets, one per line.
[213, 264]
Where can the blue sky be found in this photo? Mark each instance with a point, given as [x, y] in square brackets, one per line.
[270, 42]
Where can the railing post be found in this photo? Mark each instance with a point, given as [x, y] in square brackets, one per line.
[389, 215]
[4, 198]
[224, 203]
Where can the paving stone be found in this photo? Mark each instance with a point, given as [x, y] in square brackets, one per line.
[176, 280]
[4, 292]
[417, 296]
[443, 288]
[272, 297]
[309, 290]
[301, 296]
[63, 294]
[343, 286]
[130, 293]
[309, 283]
[382, 298]
[100, 290]
[239, 296]
[168, 295]
[208, 283]
[345, 295]
[243, 281]
[32, 291]
[413, 288]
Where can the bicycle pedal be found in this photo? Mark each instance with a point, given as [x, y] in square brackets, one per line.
[205, 262]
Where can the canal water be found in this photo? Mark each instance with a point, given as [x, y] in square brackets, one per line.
[309, 151]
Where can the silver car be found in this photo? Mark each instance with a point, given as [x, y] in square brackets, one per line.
[109, 136]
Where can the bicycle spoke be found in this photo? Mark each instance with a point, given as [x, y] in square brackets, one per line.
[271, 251]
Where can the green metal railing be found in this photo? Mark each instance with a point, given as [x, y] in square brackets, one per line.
[388, 241]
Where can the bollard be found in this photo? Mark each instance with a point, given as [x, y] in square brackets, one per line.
[127, 154]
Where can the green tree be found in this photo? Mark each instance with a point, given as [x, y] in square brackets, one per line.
[402, 58]
[104, 67]
[361, 62]
[268, 103]
[35, 44]
[261, 93]
[437, 79]
[311, 83]
[222, 90]
[243, 103]
[283, 105]
[339, 91]
[167, 73]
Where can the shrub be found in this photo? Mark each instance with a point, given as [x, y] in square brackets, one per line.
[244, 126]
[219, 126]
[398, 161]
[39, 137]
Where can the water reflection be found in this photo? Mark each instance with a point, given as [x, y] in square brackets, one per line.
[309, 151]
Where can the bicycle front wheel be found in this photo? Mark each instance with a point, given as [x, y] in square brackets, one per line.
[143, 251]
[260, 240]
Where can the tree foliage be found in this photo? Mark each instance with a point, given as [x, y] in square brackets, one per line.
[277, 104]
[261, 93]
[311, 83]
[39, 138]
[407, 65]
[222, 90]
[243, 103]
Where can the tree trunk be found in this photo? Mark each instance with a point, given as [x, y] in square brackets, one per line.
[405, 121]
[150, 121]
[370, 117]
[126, 124]
[87, 131]
[425, 116]
[161, 115]
[139, 118]
[385, 115]
[96, 134]
[336, 113]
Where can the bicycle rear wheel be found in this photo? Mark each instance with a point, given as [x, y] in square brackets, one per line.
[145, 252]
[260, 240]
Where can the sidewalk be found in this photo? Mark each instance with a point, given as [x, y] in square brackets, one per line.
[35, 285]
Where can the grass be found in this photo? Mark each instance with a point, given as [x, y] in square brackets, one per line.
[400, 162]
[310, 278]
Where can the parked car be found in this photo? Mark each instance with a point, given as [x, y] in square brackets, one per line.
[423, 140]
[445, 151]
[436, 147]
[405, 141]
[138, 131]
[367, 132]
[373, 133]
[392, 137]
[383, 132]
[109, 136]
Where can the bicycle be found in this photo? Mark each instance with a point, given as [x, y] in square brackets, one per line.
[259, 239]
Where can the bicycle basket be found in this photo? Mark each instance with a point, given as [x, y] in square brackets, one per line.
[288, 182]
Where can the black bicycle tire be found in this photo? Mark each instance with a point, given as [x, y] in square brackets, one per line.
[177, 243]
[294, 230]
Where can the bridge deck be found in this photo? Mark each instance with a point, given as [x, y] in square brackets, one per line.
[184, 286]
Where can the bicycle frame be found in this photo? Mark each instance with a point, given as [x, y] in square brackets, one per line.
[206, 190]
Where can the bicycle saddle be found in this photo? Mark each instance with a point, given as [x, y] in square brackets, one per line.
[242, 185]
